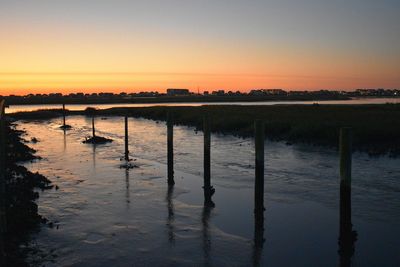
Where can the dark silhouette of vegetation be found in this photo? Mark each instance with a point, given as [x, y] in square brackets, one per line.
[155, 97]
[376, 127]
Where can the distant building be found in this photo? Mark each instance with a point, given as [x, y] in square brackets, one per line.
[175, 92]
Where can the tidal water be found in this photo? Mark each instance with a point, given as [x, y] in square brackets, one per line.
[107, 216]
[355, 101]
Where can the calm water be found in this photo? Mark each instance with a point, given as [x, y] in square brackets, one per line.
[19, 108]
[107, 216]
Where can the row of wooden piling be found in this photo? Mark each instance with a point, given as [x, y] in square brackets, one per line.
[345, 152]
[207, 187]
[345, 141]
[346, 237]
[259, 138]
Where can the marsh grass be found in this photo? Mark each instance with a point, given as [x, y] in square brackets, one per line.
[376, 128]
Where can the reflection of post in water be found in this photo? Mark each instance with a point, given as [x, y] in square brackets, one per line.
[94, 155]
[347, 236]
[258, 238]
[65, 139]
[128, 198]
[206, 234]
[171, 215]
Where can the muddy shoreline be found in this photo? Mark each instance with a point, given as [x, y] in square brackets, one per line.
[22, 185]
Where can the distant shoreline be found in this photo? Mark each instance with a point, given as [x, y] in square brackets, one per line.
[172, 99]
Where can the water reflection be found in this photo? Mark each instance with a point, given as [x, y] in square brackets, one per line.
[94, 156]
[292, 182]
[127, 194]
[171, 215]
[347, 236]
[258, 238]
[65, 140]
[205, 217]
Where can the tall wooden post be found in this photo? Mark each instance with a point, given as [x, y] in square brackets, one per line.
[258, 192]
[93, 128]
[126, 140]
[208, 189]
[64, 125]
[3, 146]
[170, 147]
[345, 155]
[259, 181]
[347, 236]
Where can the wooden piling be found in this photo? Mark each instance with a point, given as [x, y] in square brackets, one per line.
[93, 128]
[207, 152]
[345, 143]
[3, 146]
[347, 236]
[126, 140]
[64, 124]
[208, 189]
[259, 172]
[170, 147]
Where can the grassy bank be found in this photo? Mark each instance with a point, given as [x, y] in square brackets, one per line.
[40, 100]
[21, 210]
[376, 127]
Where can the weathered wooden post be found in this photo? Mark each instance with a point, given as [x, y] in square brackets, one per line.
[126, 139]
[258, 192]
[93, 128]
[345, 155]
[208, 189]
[64, 125]
[3, 152]
[170, 147]
[259, 181]
[347, 236]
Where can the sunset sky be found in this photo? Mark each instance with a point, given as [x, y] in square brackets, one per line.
[117, 45]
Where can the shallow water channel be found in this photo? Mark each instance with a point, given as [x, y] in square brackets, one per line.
[107, 216]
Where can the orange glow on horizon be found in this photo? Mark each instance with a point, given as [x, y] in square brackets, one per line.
[26, 83]
[65, 59]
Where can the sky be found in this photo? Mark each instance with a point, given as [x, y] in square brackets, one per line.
[117, 45]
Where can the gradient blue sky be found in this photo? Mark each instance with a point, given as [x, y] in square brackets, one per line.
[97, 44]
